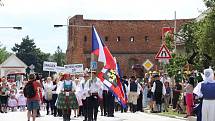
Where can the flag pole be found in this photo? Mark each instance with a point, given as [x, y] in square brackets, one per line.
[175, 25]
[91, 67]
[92, 59]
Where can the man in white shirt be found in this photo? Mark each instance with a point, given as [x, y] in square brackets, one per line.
[158, 90]
[133, 92]
[85, 95]
[92, 87]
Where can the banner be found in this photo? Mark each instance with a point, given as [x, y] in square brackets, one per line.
[74, 68]
[60, 69]
[49, 66]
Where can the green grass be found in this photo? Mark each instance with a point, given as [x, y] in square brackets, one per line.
[172, 114]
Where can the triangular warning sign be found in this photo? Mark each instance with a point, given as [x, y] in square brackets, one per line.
[163, 53]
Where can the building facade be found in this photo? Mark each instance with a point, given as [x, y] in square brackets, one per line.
[130, 41]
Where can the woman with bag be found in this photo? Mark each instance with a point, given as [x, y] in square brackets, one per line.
[48, 86]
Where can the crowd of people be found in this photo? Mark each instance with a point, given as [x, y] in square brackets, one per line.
[86, 95]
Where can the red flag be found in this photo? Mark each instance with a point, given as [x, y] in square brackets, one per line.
[167, 30]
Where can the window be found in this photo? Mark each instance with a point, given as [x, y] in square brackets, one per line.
[146, 38]
[118, 38]
[85, 38]
[132, 38]
[106, 38]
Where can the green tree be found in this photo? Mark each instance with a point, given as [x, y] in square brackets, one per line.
[30, 54]
[3, 54]
[59, 56]
[176, 64]
[169, 41]
[205, 35]
[209, 3]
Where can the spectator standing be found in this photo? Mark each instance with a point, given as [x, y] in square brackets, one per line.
[33, 103]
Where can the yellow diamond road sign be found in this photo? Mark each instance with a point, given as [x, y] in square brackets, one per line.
[148, 64]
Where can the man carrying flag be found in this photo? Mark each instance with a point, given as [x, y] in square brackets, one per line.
[108, 73]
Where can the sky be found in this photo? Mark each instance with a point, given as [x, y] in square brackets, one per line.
[37, 17]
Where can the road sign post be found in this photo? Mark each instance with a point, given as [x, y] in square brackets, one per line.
[148, 65]
[163, 53]
[163, 56]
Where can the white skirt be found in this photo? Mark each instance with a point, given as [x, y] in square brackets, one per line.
[208, 110]
[12, 102]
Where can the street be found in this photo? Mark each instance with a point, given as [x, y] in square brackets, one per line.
[138, 116]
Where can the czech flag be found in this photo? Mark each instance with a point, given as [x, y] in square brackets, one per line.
[108, 75]
[112, 81]
[101, 50]
[120, 84]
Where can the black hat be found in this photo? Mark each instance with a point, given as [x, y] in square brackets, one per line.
[133, 77]
[156, 75]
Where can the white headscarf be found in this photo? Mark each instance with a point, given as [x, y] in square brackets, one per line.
[208, 75]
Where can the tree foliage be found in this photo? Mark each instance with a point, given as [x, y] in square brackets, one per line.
[59, 56]
[30, 54]
[199, 39]
[206, 38]
[3, 54]
[209, 3]
[176, 64]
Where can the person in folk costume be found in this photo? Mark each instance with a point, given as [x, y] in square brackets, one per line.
[92, 87]
[189, 96]
[133, 92]
[4, 95]
[205, 90]
[110, 100]
[12, 101]
[54, 97]
[104, 112]
[22, 100]
[85, 95]
[145, 90]
[140, 96]
[61, 79]
[66, 98]
[158, 90]
[14, 88]
[77, 94]
[101, 105]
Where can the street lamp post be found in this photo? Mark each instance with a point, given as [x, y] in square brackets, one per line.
[78, 26]
[16, 27]
[72, 26]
